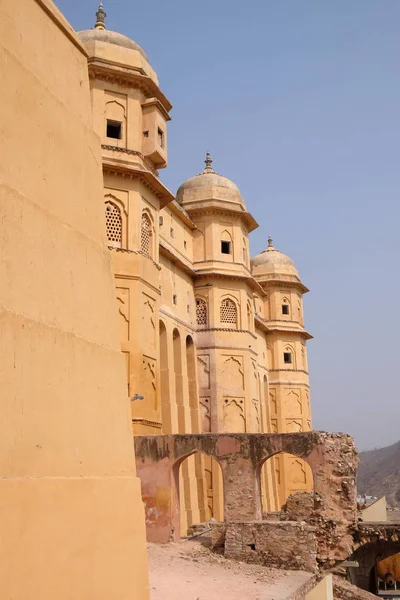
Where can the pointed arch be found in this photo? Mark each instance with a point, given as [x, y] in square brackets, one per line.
[147, 233]
[289, 356]
[286, 308]
[229, 312]
[201, 312]
[116, 220]
[226, 243]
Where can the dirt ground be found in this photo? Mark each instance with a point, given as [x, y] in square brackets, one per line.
[189, 571]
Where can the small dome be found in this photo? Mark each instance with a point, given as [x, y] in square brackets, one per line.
[200, 186]
[272, 262]
[206, 180]
[110, 37]
[101, 34]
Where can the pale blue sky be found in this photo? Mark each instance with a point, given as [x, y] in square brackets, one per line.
[298, 102]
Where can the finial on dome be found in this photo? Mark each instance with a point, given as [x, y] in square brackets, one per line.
[101, 17]
[208, 162]
[270, 243]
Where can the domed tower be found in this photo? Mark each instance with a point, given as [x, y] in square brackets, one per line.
[130, 114]
[281, 310]
[225, 339]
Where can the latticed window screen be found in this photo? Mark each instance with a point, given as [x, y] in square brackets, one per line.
[201, 312]
[146, 235]
[228, 312]
[114, 224]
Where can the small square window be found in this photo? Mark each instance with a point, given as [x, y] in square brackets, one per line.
[225, 247]
[175, 299]
[114, 129]
[145, 134]
[171, 232]
[161, 221]
[160, 135]
[287, 358]
[285, 309]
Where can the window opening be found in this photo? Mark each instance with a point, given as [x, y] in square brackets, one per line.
[145, 134]
[175, 299]
[114, 129]
[146, 235]
[113, 224]
[160, 135]
[225, 247]
[228, 312]
[171, 232]
[285, 309]
[287, 358]
[201, 312]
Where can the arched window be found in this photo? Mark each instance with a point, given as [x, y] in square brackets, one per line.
[201, 312]
[146, 235]
[226, 246]
[289, 357]
[113, 224]
[228, 312]
[286, 307]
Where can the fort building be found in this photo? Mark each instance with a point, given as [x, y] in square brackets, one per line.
[213, 339]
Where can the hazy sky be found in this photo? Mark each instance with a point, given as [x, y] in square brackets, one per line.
[298, 102]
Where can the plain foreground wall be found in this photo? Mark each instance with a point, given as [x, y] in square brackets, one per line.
[71, 516]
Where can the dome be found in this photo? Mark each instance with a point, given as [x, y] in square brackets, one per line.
[110, 37]
[101, 34]
[208, 185]
[272, 262]
[206, 180]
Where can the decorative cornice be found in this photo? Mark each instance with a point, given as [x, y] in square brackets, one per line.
[288, 371]
[168, 251]
[131, 152]
[201, 330]
[145, 422]
[223, 211]
[147, 178]
[114, 72]
[140, 252]
[299, 332]
[274, 281]
[177, 209]
[223, 262]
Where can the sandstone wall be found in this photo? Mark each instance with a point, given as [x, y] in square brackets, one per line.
[71, 517]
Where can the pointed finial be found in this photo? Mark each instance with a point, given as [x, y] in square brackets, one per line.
[101, 17]
[270, 243]
[208, 162]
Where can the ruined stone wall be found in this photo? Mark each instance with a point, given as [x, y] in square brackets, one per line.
[288, 545]
[332, 458]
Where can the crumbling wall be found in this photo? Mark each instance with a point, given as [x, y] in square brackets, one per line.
[288, 545]
[298, 507]
[331, 509]
[343, 590]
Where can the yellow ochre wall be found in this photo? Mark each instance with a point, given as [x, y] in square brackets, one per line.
[66, 450]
